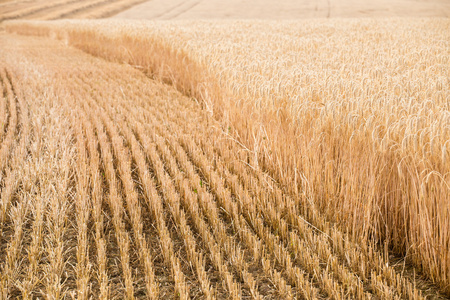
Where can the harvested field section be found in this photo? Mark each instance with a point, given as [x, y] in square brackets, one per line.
[284, 9]
[36, 187]
[63, 9]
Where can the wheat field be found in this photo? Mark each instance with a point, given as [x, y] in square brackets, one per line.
[62, 9]
[215, 159]
[283, 9]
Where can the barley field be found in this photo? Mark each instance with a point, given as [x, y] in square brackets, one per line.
[222, 159]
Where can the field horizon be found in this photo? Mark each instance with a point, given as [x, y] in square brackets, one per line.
[283, 9]
[188, 158]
